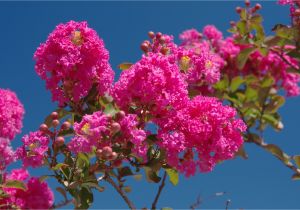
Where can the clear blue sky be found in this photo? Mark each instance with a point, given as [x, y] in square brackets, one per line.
[260, 182]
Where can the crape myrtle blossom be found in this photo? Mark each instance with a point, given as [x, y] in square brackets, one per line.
[37, 194]
[33, 150]
[205, 128]
[100, 130]
[11, 114]
[7, 155]
[153, 84]
[72, 61]
[257, 64]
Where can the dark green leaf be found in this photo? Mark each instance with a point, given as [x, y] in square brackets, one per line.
[236, 82]
[296, 177]
[243, 57]
[125, 171]
[15, 184]
[297, 160]
[276, 151]
[93, 185]
[151, 175]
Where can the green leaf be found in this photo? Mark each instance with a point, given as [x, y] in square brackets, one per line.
[297, 160]
[84, 158]
[15, 184]
[243, 57]
[86, 198]
[276, 151]
[236, 82]
[296, 177]
[173, 176]
[275, 103]
[243, 14]
[251, 94]
[267, 81]
[242, 153]
[59, 165]
[110, 110]
[151, 175]
[242, 27]
[127, 189]
[125, 171]
[125, 66]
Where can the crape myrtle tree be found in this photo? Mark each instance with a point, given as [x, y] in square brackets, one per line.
[205, 96]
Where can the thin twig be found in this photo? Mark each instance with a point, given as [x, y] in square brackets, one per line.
[62, 204]
[159, 191]
[120, 191]
[197, 203]
[227, 204]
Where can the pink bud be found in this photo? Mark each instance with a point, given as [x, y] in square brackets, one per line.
[121, 115]
[247, 3]
[238, 10]
[115, 127]
[59, 141]
[257, 6]
[158, 35]
[55, 123]
[144, 47]
[107, 151]
[66, 126]
[99, 153]
[151, 34]
[43, 128]
[54, 115]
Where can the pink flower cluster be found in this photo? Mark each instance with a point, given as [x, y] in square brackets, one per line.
[33, 151]
[226, 52]
[100, 130]
[152, 84]
[205, 127]
[6, 153]
[11, 114]
[37, 194]
[72, 61]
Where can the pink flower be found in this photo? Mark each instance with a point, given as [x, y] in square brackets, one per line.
[100, 130]
[11, 114]
[212, 33]
[152, 84]
[37, 194]
[190, 36]
[72, 61]
[283, 2]
[202, 134]
[33, 151]
[6, 153]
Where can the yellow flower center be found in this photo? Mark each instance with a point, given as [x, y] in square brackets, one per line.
[86, 129]
[184, 63]
[77, 38]
[208, 64]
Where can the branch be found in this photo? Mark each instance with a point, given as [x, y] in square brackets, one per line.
[159, 191]
[120, 191]
[62, 204]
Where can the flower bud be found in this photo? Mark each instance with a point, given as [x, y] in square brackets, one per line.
[297, 12]
[59, 141]
[115, 127]
[258, 6]
[247, 3]
[113, 156]
[144, 47]
[99, 153]
[279, 125]
[238, 10]
[151, 34]
[158, 35]
[117, 163]
[43, 128]
[106, 151]
[66, 126]
[54, 115]
[121, 114]
[55, 123]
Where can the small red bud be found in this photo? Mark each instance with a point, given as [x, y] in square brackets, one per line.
[151, 34]
[59, 141]
[117, 163]
[115, 127]
[297, 12]
[120, 114]
[164, 50]
[247, 3]
[66, 125]
[43, 128]
[258, 6]
[144, 47]
[238, 10]
[107, 151]
[54, 115]
[158, 35]
[162, 40]
[55, 123]
[113, 156]
[232, 23]
[99, 153]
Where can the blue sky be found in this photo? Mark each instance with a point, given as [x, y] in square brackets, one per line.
[260, 182]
